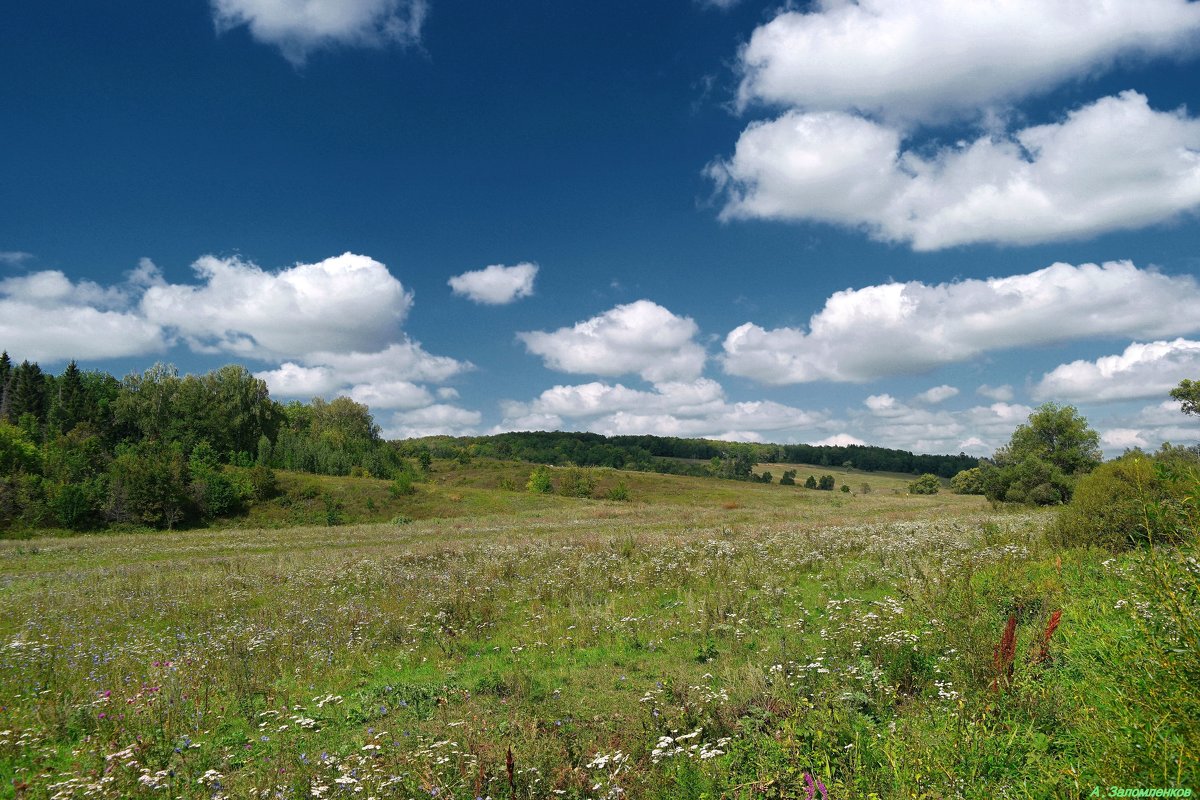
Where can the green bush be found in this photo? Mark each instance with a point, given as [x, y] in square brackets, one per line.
[826, 483]
[263, 482]
[217, 496]
[539, 481]
[969, 481]
[402, 486]
[576, 482]
[77, 505]
[1133, 500]
[1032, 481]
[810, 482]
[926, 484]
[618, 492]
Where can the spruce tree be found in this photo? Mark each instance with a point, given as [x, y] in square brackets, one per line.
[27, 393]
[69, 406]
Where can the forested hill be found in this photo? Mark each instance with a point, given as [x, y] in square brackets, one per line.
[659, 453]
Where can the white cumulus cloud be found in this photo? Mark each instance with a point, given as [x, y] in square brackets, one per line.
[45, 316]
[905, 328]
[1004, 393]
[433, 420]
[1143, 370]
[636, 338]
[1114, 164]
[839, 440]
[496, 284]
[344, 303]
[977, 431]
[386, 375]
[299, 27]
[697, 408]
[927, 59]
[937, 394]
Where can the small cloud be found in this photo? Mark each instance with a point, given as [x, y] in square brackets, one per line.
[839, 440]
[640, 337]
[880, 402]
[300, 28]
[14, 258]
[496, 285]
[1003, 394]
[938, 394]
[1123, 438]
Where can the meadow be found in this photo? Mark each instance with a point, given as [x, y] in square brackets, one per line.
[704, 639]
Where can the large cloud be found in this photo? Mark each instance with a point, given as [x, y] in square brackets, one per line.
[679, 408]
[1114, 164]
[298, 27]
[905, 328]
[978, 430]
[345, 303]
[1148, 427]
[334, 325]
[1144, 370]
[496, 284]
[923, 59]
[44, 316]
[637, 338]
[383, 374]
[433, 420]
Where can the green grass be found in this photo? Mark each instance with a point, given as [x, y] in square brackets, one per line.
[706, 639]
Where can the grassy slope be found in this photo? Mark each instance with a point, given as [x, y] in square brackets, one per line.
[846, 636]
[454, 490]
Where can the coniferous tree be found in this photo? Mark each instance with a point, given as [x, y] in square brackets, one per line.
[5, 369]
[27, 394]
[69, 405]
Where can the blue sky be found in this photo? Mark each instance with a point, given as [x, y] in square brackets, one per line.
[899, 223]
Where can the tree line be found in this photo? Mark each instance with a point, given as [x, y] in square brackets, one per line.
[700, 457]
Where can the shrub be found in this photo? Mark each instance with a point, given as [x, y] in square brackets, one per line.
[216, 495]
[76, 505]
[845, 489]
[926, 484]
[402, 486]
[539, 481]
[576, 482]
[810, 482]
[969, 481]
[618, 492]
[263, 482]
[1133, 500]
[1032, 481]
[789, 478]
[826, 483]
[333, 511]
